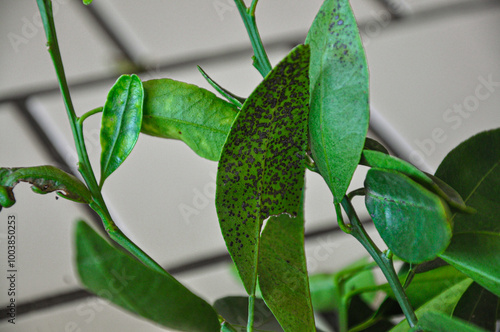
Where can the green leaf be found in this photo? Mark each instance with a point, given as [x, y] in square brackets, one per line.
[412, 221]
[427, 285]
[325, 287]
[338, 122]
[114, 275]
[282, 273]
[44, 179]
[472, 168]
[450, 195]
[478, 306]
[87, 2]
[477, 254]
[234, 309]
[188, 113]
[371, 144]
[121, 123]
[232, 98]
[261, 170]
[438, 322]
[382, 160]
[445, 302]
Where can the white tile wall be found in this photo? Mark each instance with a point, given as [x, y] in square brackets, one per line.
[25, 63]
[44, 225]
[420, 68]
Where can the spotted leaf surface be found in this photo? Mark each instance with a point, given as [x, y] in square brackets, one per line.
[338, 122]
[283, 278]
[121, 123]
[261, 170]
[44, 179]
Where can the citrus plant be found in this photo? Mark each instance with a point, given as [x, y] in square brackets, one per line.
[309, 113]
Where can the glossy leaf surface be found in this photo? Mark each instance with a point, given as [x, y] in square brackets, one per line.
[472, 168]
[412, 221]
[234, 309]
[282, 269]
[338, 122]
[261, 170]
[477, 254]
[110, 273]
[478, 306]
[382, 160]
[451, 196]
[186, 112]
[444, 302]
[121, 123]
[44, 179]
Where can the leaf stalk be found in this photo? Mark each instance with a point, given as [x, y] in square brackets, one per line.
[84, 165]
[384, 261]
[261, 60]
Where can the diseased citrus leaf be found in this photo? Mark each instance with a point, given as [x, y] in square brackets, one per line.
[412, 221]
[44, 179]
[478, 306]
[444, 302]
[121, 123]
[110, 273]
[182, 111]
[261, 169]
[234, 309]
[473, 169]
[282, 270]
[339, 116]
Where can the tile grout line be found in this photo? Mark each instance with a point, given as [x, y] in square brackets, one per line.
[51, 150]
[79, 294]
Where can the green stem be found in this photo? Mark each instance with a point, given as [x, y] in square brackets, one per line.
[84, 166]
[357, 192]
[261, 61]
[343, 315]
[117, 235]
[384, 262]
[345, 228]
[251, 306]
[88, 114]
